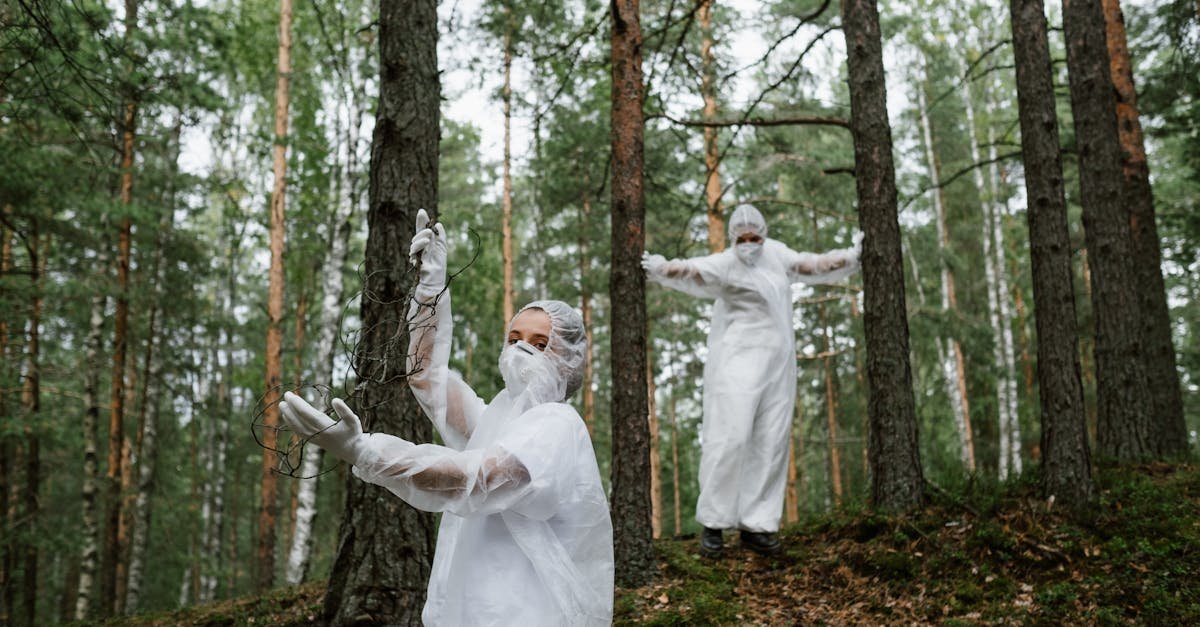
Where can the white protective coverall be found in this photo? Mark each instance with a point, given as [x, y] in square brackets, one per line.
[750, 370]
[525, 536]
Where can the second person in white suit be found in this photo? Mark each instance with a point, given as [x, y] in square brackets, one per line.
[749, 373]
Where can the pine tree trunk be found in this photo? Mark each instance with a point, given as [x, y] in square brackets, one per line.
[367, 578]
[506, 200]
[675, 488]
[116, 426]
[1065, 457]
[896, 479]
[997, 290]
[712, 156]
[1124, 430]
[585, 295]
[264, 558]
[835, 460]
[632, 548]
[953, 371]
[1167, 424]
[655, 457]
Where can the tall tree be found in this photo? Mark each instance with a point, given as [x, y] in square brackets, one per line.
[367, 578]
[91, 473]
[1065, 459]
[113, 551]
[1010, 431]
[632, 548]
[712, 153]
[1123, 424]
[264, 572]
[1167, 424]
[896, 478]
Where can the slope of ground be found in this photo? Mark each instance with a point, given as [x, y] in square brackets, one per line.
[979, 557]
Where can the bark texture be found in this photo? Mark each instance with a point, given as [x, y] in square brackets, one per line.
[1065, 457]
[712, 156]
[385, 547]
[1167, 425]
[632, 548]
[897, 482]
[113, 551]
[268, 509]
[1123, 422]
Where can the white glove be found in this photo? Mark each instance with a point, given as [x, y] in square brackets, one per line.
[429, 246]
[344, 439]
[652, 263]
[858, 240]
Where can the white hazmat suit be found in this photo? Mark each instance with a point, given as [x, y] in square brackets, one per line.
[750, 370]
[525, 536]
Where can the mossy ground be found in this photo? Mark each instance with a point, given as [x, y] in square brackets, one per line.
[974, 556]
[979, 556]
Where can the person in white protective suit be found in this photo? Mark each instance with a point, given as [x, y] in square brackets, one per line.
[525, 537]
[749, 373]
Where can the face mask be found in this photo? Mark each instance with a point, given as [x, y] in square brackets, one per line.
[748, 252]
[522, 365]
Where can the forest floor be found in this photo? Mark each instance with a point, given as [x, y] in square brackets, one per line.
[995, 555]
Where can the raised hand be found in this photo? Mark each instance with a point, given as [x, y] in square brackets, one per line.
[430, 248]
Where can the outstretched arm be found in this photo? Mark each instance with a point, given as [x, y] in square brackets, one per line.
[427, 476]
[830, 267]
[450, 403]
[698, 276]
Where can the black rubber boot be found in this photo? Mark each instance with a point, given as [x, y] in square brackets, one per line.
[761, 542]
[711, 542]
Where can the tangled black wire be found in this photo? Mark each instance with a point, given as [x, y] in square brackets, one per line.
[367, 365]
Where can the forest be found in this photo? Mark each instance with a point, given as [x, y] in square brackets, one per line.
[204, 204]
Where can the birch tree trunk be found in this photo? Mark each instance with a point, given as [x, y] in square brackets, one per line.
[897, 482]
[264, 558]
[1009, 376]
[147, 451]
[995, 273]
[949, 350]
[331, 297]
[91, 470]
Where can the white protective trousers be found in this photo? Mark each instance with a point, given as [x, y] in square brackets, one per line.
[749, 375]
